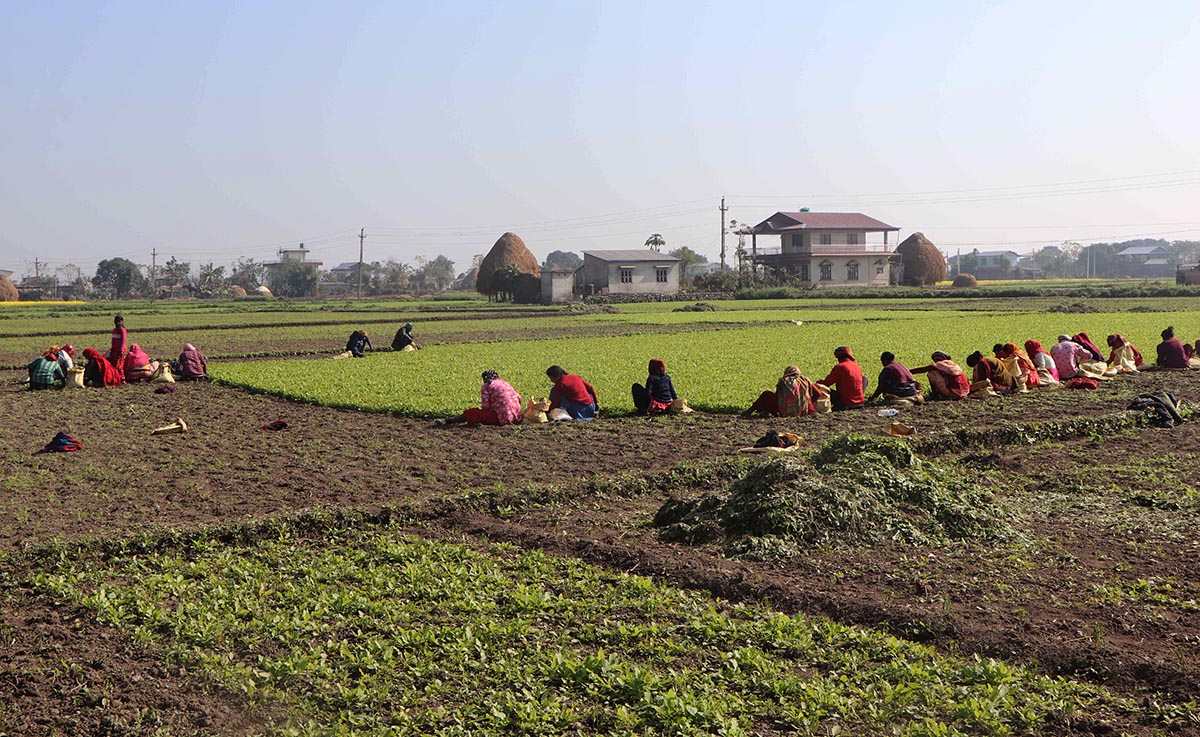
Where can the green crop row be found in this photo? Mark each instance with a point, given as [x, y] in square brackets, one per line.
[373, 633]
[718, 370]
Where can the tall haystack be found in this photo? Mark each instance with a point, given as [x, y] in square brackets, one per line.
[495, 278]
[8, 290]
[924, 265]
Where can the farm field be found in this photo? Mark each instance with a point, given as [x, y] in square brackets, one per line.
[362, 572]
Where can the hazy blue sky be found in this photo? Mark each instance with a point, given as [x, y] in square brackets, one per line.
[211, 130]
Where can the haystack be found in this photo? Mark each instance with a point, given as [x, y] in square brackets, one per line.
[510, 250]
[965, 281]
[924, 264]
[237, 290]
[263, 291]
[8, 290]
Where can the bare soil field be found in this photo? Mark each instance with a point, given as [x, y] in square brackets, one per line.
[1102, 584]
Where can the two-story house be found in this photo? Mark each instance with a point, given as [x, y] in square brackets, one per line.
[827, 248]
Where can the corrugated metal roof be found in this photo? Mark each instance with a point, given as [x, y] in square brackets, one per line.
[346, 266]
[1142, 251]
[786, 221]
[1155, 262]
[629, 255]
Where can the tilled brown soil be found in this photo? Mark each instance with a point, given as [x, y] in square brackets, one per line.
[59, 671]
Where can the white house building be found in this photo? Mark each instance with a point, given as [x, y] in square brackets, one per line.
[828, 248]
[627, 272]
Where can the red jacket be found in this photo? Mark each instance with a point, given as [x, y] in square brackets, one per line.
[574, 388]
[846, 378]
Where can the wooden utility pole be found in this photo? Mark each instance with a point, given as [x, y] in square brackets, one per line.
[362, 234]
[723, 211]
[153, 269]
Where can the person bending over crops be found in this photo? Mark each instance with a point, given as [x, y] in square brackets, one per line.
[99, 372]
[1019, 362]
[896, 382]
[192, 365]
[946, 378]
[138, 366]
[656, 396]
[846, 381]
[989, 373]
[794, 396]
[1046, 370]
[45, 373]
[358, 343]
[1071, 359]
[1122, 356]
[574, 395]
[404, 339]
[66, 357]
[499, 404]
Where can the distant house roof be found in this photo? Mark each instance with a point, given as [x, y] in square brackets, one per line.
[346, 266]
[630, 255]
[1155, 262]
[1144, 251]
[990, 254]
[783, 222]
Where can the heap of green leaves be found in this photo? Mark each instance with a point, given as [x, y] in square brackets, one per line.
[373, 633]
[857, 490]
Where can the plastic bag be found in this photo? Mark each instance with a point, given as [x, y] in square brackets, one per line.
[535, 410]
[558, 414]
[163, 375]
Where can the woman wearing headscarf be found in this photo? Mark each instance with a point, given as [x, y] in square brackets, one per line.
[846, 381]
[192, 365]
[499, 404]
[138, 366]
[1170, 352]
[66, 357]
[656, 396]
[1046, 370]
[794, 396]
[946, 378]
[1020, 364]
[1071, 358]
[99, 372]
[44, 371]
[1123, 357]
[404, 339]
[1084, 340]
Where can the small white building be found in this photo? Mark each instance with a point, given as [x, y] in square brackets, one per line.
[558, 285]
[627, 272]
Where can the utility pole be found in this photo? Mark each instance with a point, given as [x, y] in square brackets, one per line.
[362, 234]
[724, 210]
[153, 270]
[37, 270]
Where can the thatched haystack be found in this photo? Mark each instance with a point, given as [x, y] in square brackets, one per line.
[263, 291]
[965, 281]
[924, 264]
[238, 290]
[522, 282]
[8, 290]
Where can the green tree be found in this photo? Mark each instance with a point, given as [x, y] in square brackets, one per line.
[969, 263]
[119, 278]
[562, 260]
[210, 282]
[294, 279]
[655, 242]
[175, 273]
[247, 274]
[439, 273]
[687, 260]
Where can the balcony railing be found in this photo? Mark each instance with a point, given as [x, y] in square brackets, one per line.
[838, 249]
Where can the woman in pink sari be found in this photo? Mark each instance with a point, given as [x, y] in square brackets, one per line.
[1046, 369]
[138, 366]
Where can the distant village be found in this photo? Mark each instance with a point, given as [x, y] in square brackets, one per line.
[802, 249]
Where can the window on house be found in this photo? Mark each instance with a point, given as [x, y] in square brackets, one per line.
[826, 271]
[878, 268]
[660, 275]
[852, 271]
[852, 238]
[627, 276]
[804, 274]
[797, 242]
[826, 239]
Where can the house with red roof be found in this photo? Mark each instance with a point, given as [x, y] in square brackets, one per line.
[827, 248]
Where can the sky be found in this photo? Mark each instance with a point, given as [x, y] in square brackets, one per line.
[210, 131]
